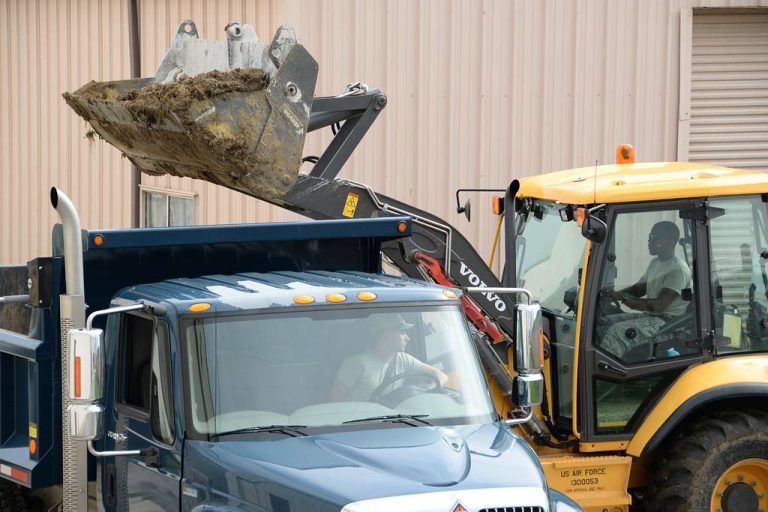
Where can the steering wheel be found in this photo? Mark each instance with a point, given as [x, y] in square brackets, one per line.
[397, 395]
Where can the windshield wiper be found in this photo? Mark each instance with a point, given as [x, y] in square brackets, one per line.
[289, 430]
[409, 419]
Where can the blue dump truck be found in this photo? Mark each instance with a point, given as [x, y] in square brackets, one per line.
[266, 367]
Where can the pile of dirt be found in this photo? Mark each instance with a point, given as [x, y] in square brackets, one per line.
[155, 100]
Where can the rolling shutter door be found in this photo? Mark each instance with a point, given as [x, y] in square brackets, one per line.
[729, 90]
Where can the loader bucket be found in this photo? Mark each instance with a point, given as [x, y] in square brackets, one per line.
[233, 112]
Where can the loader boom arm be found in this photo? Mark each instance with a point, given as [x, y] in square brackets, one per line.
[320, 195]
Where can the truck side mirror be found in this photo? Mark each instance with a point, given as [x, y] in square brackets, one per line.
[466, 209]
[85, 421]
[594, 229]
[85, 369]
[529, 355]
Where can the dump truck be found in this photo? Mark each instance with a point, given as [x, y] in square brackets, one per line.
[248, 367]
[195, 369]
[652, 281]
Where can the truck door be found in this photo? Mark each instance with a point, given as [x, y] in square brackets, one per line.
[643, 324]
[143, 418]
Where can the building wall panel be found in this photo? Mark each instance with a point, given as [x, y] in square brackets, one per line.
[46, 48]
[480, 92]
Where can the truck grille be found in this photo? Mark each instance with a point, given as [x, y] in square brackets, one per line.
[513, 509]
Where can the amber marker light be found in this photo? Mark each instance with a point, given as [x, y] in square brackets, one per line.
[303, 299]
[98, 240]
[335, 297]
[625, 154]
[199, 307]
[32, 446]
[580, 215]
[78, 378]
[449, 294]
[402, 227]
[366, 296]
[497, 205]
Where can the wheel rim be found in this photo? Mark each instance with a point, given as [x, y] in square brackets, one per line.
[743, 487]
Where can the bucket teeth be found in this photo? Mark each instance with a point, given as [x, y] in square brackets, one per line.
[230, 112]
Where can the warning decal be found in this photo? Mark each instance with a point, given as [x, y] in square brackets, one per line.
[350, 205]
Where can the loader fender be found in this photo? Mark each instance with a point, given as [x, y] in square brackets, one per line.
[725, 378]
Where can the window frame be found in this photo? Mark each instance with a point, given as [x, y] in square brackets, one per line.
[763, 198]
[599, 364]
[168, 377]
[121, 405]
[168, 193]
[130, 410]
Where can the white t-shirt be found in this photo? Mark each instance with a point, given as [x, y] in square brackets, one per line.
[673, 274]
[364, 372]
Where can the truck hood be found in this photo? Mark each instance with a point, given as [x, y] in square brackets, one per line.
[333, 470]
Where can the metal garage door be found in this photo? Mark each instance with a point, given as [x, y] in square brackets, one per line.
[727, 82]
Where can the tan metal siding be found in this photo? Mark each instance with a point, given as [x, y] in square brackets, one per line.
[46, 48]
[480, 92]
[483, 92]
[729, 90]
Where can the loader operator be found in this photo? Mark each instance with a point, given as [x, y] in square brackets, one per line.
[657, 295]
[359, 375]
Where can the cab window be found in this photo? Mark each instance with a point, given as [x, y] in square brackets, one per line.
[646, 306]
[738, 256]
[144, 375]
[646, 310]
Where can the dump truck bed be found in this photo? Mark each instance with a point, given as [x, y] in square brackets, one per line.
[30, 407]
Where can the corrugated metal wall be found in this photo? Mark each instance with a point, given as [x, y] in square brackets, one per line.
[729, 90]
[479, 92]
[46, 48]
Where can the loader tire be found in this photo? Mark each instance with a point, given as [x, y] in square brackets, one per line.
[12, 497]
[717, 463]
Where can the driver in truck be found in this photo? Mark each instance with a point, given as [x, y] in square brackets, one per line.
[657, 295]
[359, 375]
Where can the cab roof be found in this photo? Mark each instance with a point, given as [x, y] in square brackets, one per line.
[642, 182]
[278, 289]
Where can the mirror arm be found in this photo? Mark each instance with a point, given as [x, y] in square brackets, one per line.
[518, 421]
[109, 311]
[482, 289]
[116, 453]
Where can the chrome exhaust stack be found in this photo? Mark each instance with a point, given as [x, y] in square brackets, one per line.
[73, 252]
[72, 307]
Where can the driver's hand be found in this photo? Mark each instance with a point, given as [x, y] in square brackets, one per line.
[610, 293]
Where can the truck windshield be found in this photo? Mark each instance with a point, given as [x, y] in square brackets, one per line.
[332, 367]
[549, 254]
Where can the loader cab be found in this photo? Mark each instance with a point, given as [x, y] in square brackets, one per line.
[674, 283]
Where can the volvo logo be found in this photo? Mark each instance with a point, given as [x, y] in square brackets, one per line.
[474, 280]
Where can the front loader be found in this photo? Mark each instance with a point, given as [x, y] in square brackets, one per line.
[654, 386]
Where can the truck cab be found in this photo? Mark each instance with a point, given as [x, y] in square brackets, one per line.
[231, 386]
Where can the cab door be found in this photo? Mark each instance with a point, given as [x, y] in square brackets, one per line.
[143, 419]
[643, 321]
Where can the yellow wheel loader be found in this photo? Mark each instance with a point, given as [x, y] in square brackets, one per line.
[652, 367]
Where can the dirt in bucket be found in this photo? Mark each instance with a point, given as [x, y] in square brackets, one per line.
[156, 99]
[173, 128]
